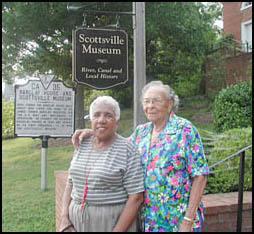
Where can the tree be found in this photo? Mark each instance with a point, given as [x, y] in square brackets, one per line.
[178, 34]
[36, 41]
[37, 38]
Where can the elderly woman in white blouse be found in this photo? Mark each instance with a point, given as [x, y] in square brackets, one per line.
[105, 185]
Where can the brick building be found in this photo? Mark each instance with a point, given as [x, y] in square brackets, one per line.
[237, 21]
[236, 60]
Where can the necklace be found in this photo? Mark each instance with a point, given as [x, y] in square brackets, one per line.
[87, 173]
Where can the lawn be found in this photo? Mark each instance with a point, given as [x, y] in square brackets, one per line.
[25, 208]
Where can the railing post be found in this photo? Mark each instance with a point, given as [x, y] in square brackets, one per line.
[240, 193]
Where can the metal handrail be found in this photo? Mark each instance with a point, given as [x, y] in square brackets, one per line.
[241, 182]
[237, 45]
[230, 156]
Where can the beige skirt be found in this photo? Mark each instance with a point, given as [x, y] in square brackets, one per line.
[97, 218]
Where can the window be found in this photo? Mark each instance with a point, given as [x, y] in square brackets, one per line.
[246, 36]
[246, 5]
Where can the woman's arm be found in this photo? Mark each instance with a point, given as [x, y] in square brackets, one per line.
[65, 221]
[79, 135]
[129, 212]
[197, 189]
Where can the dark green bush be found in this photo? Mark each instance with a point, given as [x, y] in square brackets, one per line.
[233, 107]
[226, 175]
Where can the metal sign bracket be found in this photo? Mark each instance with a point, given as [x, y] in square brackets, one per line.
[85, 11]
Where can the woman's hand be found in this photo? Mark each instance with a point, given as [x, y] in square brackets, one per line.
[79, 135]
[185, 226]
[65, 222]
[197, 189]
[75, 138]
[129, 212]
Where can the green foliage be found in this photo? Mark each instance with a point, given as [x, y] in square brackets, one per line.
[178, 34]
[233, 107]
[123, 94]
[226, 175]
[91, 94]
[187, 86]
[7, 119]
[37, 37]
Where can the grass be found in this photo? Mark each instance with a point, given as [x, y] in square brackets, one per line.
[25, 208]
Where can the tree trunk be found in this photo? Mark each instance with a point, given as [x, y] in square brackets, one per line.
[202, 87]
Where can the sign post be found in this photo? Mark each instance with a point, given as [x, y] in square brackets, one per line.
[44, 150]
[139, 61]
[44, 110]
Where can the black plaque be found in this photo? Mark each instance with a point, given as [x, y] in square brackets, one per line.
[100, 57]
[44, 112]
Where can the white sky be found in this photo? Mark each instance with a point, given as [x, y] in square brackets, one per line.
[219, 23]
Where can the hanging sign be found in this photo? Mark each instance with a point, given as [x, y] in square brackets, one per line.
[100, 57]
[44, 112]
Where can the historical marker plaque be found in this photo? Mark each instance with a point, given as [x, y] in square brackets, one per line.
[100, 57]
[44, 112]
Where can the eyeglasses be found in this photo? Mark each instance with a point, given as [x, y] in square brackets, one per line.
[155, 101]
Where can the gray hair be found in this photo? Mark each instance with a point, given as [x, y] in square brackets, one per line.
[106, 100]
[168, 91]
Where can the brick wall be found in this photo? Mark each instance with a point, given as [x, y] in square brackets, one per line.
[60, 177]
[220, 209]
[237, 67]
[221, 212]
[236, 70]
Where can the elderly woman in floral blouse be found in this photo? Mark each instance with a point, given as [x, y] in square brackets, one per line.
[173, 163]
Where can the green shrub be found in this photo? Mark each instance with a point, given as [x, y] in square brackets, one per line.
[226, 175]
[187, 86]
[7, 119]
[233, 107]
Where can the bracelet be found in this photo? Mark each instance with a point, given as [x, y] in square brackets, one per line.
[188, 219]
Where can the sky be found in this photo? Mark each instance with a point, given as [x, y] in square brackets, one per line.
[219, 23]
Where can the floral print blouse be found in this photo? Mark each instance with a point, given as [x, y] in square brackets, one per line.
[169, 164]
